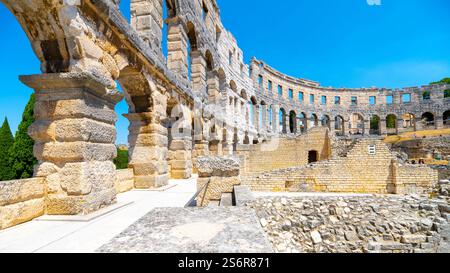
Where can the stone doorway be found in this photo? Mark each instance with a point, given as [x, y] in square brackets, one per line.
[313, 156]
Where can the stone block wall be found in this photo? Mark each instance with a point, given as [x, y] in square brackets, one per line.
[124, 180]
[287, 152]
[21, 201]
[217, 175]
[358, 172]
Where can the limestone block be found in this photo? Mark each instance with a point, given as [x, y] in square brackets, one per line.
[217, 166]
[11, 215]
[124, 180]
[16, 191]
[74, 151]
[73, 205]
[149, 182]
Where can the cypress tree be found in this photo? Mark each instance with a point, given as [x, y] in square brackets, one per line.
[121, 161]
[21, 156]
[6, 142]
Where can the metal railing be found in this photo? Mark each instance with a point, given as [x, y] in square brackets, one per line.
[192, 201]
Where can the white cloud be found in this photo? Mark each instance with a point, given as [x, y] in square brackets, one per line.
[374, 2]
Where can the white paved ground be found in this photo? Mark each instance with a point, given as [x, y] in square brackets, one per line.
[65, 236]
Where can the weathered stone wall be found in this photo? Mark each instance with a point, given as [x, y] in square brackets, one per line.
[355, 224]
[358, 171]
[124, 180]
[217, 175]
[21, 201]
[287, 152]
[425, 148]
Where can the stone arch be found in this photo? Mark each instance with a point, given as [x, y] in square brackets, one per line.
[391, 124]
[233, 86]
[314, 120]
[292, 122]
[244, 94]
[375, 125]
[357, 126]
[136, 89]
[409, 122]
[339, 125]
[428, 120]
[326, 121]
[222, 79]
[282, 120]
[446, 118]
[303, 117]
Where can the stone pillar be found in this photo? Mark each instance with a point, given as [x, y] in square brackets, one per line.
[198, 72]
[213, 87]
[367, 127]
[332, 126]
[147, 20]
[148, 150]
[383, 127]
[399, 125]
[177, 48]
[419, 124]
[180, 158]
[74, 137]
[439, 122]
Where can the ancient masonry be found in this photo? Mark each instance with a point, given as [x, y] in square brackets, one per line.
[201, 100]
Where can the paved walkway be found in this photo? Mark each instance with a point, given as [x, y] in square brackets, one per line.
[66, 236]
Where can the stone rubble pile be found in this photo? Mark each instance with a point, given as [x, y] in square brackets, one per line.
[356, 224]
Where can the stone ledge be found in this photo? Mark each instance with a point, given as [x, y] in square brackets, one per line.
[193, 230]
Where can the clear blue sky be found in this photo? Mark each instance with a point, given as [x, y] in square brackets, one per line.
[341, 43]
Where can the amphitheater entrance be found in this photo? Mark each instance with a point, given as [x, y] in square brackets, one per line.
[313, 156]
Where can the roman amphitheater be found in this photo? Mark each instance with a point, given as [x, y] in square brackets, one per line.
[262, 161]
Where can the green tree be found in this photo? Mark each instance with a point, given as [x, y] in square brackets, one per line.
[6, 142]
[121, 161]
[21, 156]
[390, 121]
[443, 81]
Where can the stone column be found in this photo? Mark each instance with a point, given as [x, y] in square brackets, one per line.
[439, 121]
[74, 137]
[213, 87]
[177, 48]
[198, 72]
[367, 127]
[399, 125]
[332, 126]
[180, 158]
[147, 20]
[148, 150]
[383, 127]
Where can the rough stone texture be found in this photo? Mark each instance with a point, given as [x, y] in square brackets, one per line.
[124, 180]
[217, 175]
[85, 47]
[356, 171]
[355, 224]
[21, 201]
[193, 230]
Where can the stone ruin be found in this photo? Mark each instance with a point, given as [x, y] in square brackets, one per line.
[199, 110]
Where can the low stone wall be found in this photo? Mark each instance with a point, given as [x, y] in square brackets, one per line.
[355, 224]
[425, 148]
[21, 201]
[359, 172]
[124, 180]
[286, 152]
[217, 175]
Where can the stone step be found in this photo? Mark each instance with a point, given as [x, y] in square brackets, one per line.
[226, 200]
[213, 204]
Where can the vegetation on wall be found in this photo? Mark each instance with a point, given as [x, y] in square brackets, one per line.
[6, 142]
[444, 81]
[21, 156]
